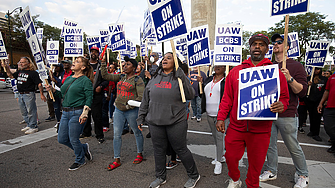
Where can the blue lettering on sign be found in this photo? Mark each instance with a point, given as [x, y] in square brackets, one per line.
[198, 52]
[153, 2]
[316, 58]
[68, 23]
[280, 7]
[255, 75]
[38, 57]
[74, 51]
[73, 31]
[229, 30]
[92, 39]
[255, 100]
[3, 54]
[73, 38]
[195, 35]
[103, 32]
[52, 52]
[1, 43]
[235, 58]
[117, 29]
[118, 42]
[319, 45]
[30, 31]
[26, 18]
[169, 20]
[228, 40]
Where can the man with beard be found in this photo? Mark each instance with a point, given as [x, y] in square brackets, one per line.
[99, 84]
[251, 134]
[27, 79]
[287, 121]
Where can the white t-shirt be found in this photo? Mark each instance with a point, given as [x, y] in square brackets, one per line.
[212, 93]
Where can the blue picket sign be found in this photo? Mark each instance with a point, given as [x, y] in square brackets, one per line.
[280, 7]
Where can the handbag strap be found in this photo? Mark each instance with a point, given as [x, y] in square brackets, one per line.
[70, 85]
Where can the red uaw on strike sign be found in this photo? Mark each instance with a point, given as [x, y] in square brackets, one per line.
[73, 42]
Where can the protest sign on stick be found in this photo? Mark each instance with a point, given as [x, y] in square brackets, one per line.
[73, 41]
[169, 23]
[316, 56]
[198, 51]
[280, 7]
[31, 36]
[3, 53]
[258, 89]
[52, 52]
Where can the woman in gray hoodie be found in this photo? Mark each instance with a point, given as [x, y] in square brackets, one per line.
[163, 110]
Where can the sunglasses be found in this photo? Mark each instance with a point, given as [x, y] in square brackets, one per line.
[278, 41]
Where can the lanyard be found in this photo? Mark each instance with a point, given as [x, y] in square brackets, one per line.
[213, 84]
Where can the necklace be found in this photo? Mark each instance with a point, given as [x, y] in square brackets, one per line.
[213, 84]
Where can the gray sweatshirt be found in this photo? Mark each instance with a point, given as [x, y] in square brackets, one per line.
[161, 103]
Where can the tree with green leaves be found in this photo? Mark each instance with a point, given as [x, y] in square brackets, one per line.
[310, 26]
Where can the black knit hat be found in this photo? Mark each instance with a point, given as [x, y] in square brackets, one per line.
[133, 61]
[259, 37]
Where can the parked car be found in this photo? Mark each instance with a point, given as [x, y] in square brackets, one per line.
[3, 83]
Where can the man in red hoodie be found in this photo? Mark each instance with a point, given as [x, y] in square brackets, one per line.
[251, 134]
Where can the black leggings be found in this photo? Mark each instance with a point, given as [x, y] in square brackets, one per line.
[176, 135]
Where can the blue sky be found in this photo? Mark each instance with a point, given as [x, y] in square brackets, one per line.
[95, 15]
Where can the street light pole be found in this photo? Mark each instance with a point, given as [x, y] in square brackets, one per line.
[10, 36]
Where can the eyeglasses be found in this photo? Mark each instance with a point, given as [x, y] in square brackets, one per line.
[278, 41]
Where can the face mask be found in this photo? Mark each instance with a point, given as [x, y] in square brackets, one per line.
[152, 59]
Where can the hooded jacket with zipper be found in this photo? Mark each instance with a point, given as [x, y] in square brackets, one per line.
[229, 101]
[161, 103]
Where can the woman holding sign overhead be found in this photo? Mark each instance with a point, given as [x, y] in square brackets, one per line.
[163, 110]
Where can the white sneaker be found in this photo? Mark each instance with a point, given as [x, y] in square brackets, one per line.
[22, 122]
[302, 182]
[24, 129]
[198, 119]
[218, 168]
[193, 117]
[31, 131]
[267, 175]
[57, 124]
[234, 184]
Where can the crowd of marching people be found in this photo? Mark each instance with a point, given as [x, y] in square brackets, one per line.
[89, 90]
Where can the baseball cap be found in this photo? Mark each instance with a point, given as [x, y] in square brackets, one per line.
[275, 36]
[66, 61]
[95, 48]
[259, 37]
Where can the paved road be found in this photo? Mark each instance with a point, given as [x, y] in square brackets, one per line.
[38, 160]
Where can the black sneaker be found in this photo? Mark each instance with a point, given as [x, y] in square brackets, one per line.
[84, 136]
[88, 154]
[148, 135]
[125, 131]
[101, 140]
[50, 119]
[310, 134]
[76, 166]
[331, 149]
[317, 138]
[301, 130]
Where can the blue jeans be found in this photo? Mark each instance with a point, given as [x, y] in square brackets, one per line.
[57, 106]
[196, 106]
[120, 117]
[27, 103]
[288, 127]
[69, 132]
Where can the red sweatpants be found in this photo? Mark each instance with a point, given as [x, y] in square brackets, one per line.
[257, 147]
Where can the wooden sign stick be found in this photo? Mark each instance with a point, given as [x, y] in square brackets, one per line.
[285, 41]
[181, 87]
[309, 87]
[200, 84]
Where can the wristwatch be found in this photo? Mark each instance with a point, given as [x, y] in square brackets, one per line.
[291, 80]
